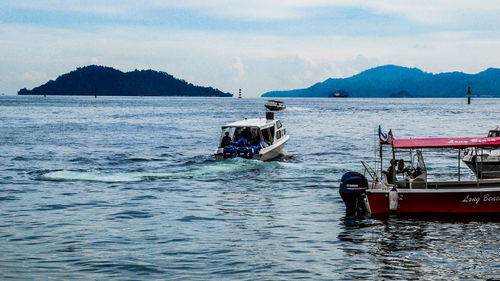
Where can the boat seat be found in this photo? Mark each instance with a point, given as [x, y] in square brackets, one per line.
[419, 183]
[402, 184]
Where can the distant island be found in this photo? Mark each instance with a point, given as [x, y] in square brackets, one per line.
[107, 81]
[397, 81]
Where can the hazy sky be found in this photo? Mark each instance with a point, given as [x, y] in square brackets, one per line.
[257, 45]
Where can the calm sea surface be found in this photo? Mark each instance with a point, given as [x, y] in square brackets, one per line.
[119, 188]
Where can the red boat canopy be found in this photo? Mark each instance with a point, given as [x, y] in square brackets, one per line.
[446, 142]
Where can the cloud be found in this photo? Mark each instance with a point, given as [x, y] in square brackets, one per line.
[259, 45]
[421, 11]
[437, 11]
[109, 8]
[238, 67]
[34, 76]
[229, 60]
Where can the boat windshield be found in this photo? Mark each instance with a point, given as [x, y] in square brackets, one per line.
[253, 135]
[268, 135]
[494, 133]
[230, 130]
[420, 160]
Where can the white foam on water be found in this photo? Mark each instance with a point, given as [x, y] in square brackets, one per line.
[296, 108]
[204, 170]
[236, 165]
[93, 176]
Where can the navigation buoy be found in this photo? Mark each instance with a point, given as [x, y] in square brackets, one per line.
[468, 95]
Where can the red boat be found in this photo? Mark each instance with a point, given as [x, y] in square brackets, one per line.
[404, 188]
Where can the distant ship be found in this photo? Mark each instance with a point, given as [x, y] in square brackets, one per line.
[275, 105]
[239, 96]
[339, 94]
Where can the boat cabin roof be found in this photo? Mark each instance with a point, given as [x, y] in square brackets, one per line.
[457, 143]
[262, 123]
[494, 133]
[276, 101]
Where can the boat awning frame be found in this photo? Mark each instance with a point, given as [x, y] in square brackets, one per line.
[456, 143]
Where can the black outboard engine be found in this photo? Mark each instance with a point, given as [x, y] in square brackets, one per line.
[229, 152]
[353, 191]
[245, 152]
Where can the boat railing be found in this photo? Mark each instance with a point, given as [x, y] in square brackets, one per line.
[370, 171]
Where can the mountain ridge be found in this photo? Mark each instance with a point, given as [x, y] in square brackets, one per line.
[389, 80]
[107, 81]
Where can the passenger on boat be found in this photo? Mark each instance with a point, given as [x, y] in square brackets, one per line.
[242, 142]
[226, 140]
[414, 173]
[247, 134]
[263, 144]
[390, 172]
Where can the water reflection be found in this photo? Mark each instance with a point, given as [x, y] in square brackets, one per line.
[419, 248]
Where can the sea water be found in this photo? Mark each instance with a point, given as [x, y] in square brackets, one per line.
[119, 188]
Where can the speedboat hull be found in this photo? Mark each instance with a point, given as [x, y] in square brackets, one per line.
[484, 169]
[257, 138]
[270, 153]
[274, 107]
[484, 162]
[266, 154]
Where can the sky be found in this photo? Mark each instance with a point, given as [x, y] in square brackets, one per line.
[258, 46]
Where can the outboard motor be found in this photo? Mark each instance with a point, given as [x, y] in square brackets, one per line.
[229, 151]
[244, 152]
[353, 191]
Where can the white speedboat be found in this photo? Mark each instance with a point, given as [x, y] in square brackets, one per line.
[484, 162]
[260, 138]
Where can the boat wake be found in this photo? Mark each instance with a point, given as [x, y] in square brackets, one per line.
[297, 108]
[205, 169]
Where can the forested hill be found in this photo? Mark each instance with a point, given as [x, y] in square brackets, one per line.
[107, 81]
[397, 81]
